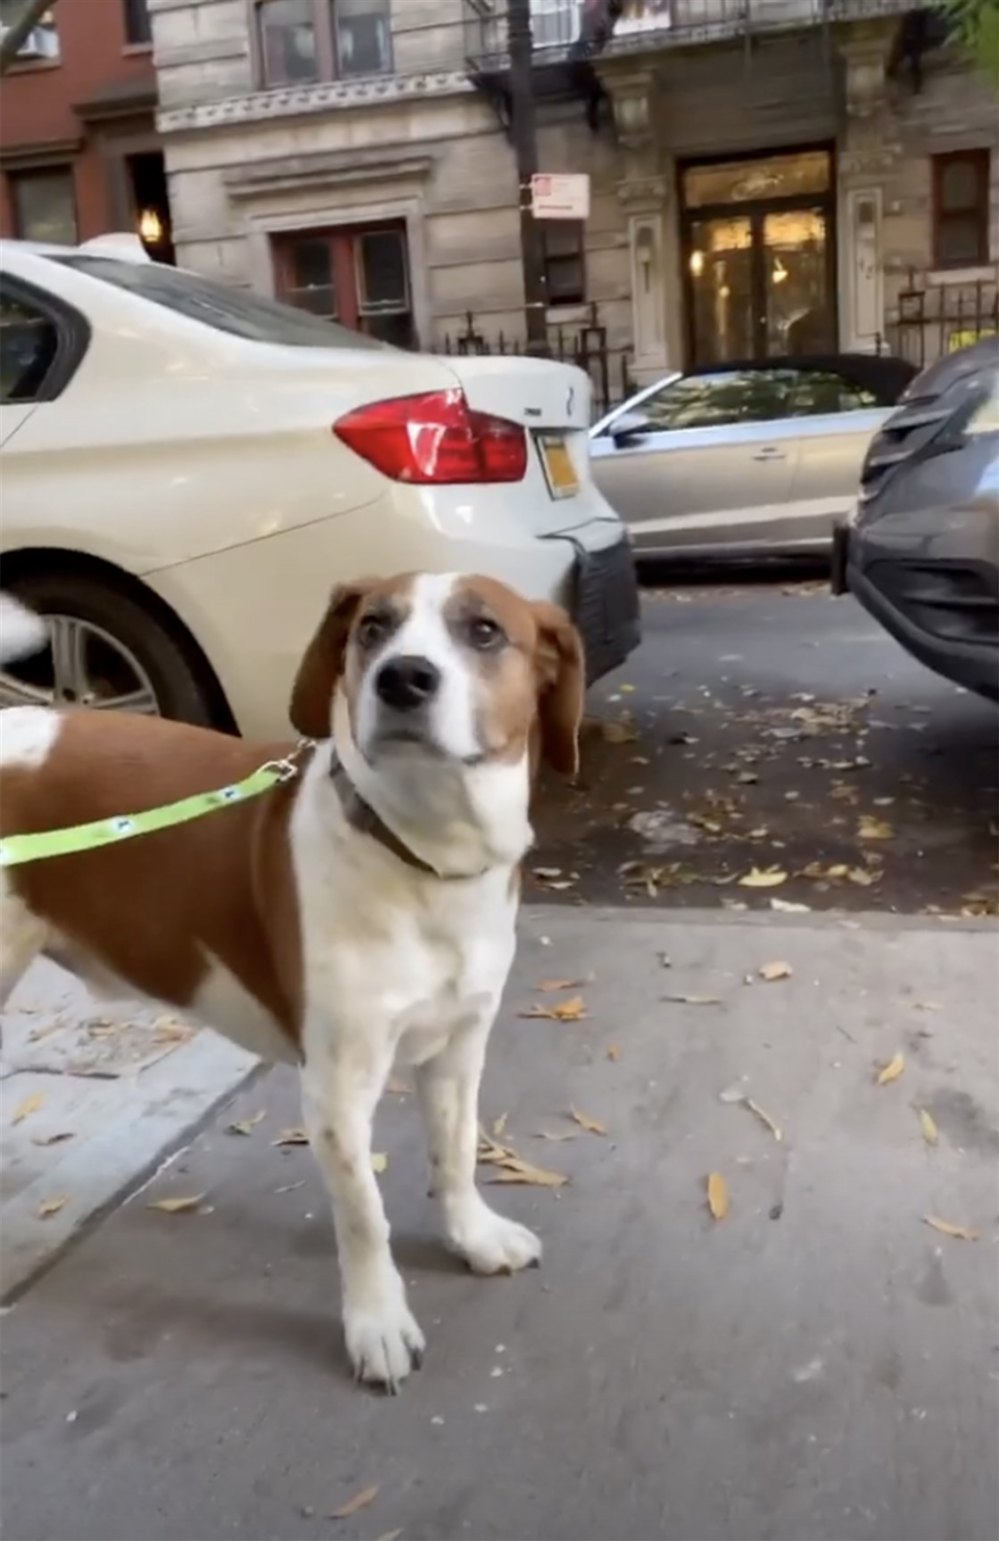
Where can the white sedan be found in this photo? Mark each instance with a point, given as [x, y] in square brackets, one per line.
[188, 470]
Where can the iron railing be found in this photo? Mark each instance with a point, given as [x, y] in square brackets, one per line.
[932, 319]
[585, 345]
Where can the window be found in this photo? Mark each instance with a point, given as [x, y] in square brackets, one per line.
[961, 208]
[717, 400]
[42, 42]
[227, 310]
[301, 41]
[138, 32]
[816, 391]
[44, 205]
[28, 346]
[357, 277]
[565, 269]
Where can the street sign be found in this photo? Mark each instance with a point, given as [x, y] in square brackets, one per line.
[560, 196]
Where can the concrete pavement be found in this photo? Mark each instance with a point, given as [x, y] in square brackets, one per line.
[820, 1364]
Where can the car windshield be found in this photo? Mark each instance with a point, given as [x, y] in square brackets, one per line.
[227, 310]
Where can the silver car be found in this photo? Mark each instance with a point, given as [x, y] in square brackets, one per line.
[743, 460]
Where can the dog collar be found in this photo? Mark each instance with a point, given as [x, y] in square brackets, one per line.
[361, 816]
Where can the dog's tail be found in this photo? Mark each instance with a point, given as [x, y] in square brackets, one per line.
[21, 630]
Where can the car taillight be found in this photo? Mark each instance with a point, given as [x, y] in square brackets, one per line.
[435, 438]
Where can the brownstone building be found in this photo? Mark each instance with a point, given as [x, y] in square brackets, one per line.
[79, 150]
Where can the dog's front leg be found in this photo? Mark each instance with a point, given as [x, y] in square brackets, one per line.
[341, 1085]
[449, 1093]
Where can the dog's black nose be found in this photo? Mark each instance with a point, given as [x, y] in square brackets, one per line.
[407, 682]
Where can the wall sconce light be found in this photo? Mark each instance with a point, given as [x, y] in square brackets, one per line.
[697, 263]
[150, 227]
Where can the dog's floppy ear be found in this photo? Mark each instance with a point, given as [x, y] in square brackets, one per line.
[561, 679]
[312, 692]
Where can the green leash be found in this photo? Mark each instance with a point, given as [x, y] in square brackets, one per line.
[15, 850]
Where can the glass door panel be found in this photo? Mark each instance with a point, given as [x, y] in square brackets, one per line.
[721, 286]
[798, 314]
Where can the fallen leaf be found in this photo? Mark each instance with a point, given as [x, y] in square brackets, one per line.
[891, 1071]
[27, 1107]
[246, 1125]
[499, 1124]
[694, 1000]
[862, 877]
[181, 1206]
[733, 1094]
[870, 828]
[773, 971]
[787, 907]
[618, 732]
[53, 1139]
[614, 1052]
[718, 1200]
[359, 1501]
[550, 985]
[290, 1187]
[927, 1005]
[572, 1010]
[391, 1535]
[768, 877]
[291, 1137]
[49, 1207]
[517, 1171]
[379, 1161]
[556, 1134]
[931, 1134]
[764, 1118]
[591, 1125]
[947, 1228]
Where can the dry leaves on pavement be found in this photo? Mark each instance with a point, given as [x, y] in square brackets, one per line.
[246, 1125]
[178, 1206]
[927, 1123]
[379, 1161]
[512, 1168]
[762, 877]
[27, 1107]
[891, 1071]
[549, 986]
[718, 1199]
[49, 1207]
[870, 828]
[771, 972]
[591, 1125]
[614, 1052]
[572, 1010]
[291, 1137]
[694, 1000]
[764, 1118]
[947, 1228]
[359, 1501]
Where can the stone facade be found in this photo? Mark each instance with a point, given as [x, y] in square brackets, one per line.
[424, 147]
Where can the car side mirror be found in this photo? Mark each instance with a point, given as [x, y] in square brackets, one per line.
[630, 425]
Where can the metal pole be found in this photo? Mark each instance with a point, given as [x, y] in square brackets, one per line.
[525, 143]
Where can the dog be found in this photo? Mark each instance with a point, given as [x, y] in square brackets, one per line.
[360, 913]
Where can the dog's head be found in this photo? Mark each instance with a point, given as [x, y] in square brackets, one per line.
[453, 666]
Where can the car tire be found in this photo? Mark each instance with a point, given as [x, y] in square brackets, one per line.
[180, 679]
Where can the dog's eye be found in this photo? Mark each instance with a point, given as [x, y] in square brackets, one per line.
[372, 629]
[484, 632]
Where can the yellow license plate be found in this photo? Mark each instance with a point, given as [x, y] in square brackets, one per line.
[560, 473]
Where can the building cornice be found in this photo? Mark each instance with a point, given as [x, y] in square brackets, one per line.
[303, 101]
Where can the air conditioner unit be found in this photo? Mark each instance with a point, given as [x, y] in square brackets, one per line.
[40, 43]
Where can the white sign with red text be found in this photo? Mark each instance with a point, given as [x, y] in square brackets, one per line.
[560, 196]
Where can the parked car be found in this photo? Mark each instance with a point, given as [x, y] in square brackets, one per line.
[922, 550]
[744, 460]
[188, 469]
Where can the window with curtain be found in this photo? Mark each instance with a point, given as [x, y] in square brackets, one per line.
[300, 41]
[44, 205]
[961, 208]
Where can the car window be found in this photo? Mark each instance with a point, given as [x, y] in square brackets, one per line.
[29, 342]
[715, 400]
[227, 310]
[821, 390]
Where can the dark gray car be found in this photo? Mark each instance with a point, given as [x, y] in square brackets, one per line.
[922, 551]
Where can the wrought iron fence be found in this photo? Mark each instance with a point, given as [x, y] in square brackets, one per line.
[933, 319]
[586, 346]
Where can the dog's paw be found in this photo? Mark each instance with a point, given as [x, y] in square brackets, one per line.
[490, 1243]
[384, 1341]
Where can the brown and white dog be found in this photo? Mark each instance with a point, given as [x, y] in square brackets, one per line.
[358, 915]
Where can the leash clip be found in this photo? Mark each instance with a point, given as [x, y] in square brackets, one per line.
[287, 768]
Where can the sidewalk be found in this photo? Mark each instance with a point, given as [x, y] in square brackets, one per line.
[820, 1363]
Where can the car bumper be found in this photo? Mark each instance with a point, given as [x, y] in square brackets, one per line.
[943, 610]
[253, 608]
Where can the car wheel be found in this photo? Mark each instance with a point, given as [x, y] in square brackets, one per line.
[106, 651]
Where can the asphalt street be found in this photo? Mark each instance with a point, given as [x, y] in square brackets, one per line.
[771, 726]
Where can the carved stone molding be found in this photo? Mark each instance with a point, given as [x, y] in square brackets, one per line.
[649, 191]
[298, 101]
[870, 161]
